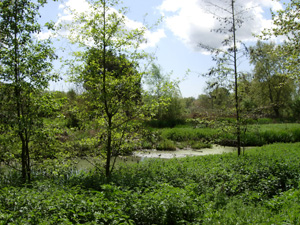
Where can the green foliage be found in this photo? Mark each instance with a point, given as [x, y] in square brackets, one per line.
[264, 121]
[164, 123]
[259, 187]
[200, 145]
[255, 135]
[296, 109]
[228, 57]
[146, 145]
[273, 88]
[186, 134]
[286, 206]
[287, 25]
[164, 204]
[108, 68]
[166, 145]
[166, 94]
[26, 65]
[46, 203]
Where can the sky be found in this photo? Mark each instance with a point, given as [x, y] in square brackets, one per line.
[175, 41]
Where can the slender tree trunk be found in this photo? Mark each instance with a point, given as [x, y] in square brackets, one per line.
[25, 151]
[108, 150]
[236, 80]
[106, 103]
[28, 168]
[23, 160]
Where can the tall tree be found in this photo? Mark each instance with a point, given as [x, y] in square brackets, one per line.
[231, 19]
[219, 96]
[271, 76]
[164, 92]
[25, 64]
[109, 68]
[287, 25]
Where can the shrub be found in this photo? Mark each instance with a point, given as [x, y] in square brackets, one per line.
[264, 121]
[146, 145]
[187, 134]
[46, 203]
[166, 145]
[200, 145]
[165, 123]
[164, 204]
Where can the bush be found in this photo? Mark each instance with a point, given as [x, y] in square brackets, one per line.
[146, 145]
[164, 204]
[168, 123]
[46, 203]
[189, 134]
[166, 145]
[264, 121]
[200, 145]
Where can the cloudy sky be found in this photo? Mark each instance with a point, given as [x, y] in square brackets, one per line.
[186, 23]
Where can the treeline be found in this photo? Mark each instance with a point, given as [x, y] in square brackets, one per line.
[268, 91]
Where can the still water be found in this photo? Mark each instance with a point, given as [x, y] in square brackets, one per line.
[141, 155]
[216, 149]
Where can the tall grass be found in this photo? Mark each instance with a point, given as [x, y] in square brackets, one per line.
[255, 135]
[187, 134]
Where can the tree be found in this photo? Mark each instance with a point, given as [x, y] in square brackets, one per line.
[219, 96]
[226, 58]
[25, 64]
[249, 94]
[108, 67]
[286, 24]
[165, 93]
[271, 77]
[188, 105]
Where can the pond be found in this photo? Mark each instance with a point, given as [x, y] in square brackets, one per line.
[141, 155]
[216, 149]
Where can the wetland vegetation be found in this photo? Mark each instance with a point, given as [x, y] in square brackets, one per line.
[125, 147]
[260, 187]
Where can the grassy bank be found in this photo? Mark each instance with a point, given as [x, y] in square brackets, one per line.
[261, 187]
[252, 135]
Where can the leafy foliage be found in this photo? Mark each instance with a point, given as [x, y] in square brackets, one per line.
[26, 65]
[273, 87]
[260, 187]
[286, 24]
[108, 69]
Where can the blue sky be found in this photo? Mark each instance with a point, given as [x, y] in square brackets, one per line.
[186, 23]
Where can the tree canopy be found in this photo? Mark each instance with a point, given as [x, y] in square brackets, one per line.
[287, 25]
[110, 73]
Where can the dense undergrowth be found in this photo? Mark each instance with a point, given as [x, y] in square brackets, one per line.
[260, 187]
[77, 142]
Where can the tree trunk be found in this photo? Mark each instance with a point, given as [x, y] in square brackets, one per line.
[108, 149]
[236, 81]
[25, 158]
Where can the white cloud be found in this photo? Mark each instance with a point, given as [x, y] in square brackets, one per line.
[153, 38]
[44, 35]
[274, 5]
[79, 5]
[82, 6]
[191, 21]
